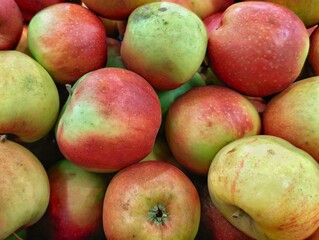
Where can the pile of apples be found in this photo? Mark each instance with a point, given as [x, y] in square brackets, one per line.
[159, 119]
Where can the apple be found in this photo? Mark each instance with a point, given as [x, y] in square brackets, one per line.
[76, 202]
[30, 103]
[213, 225]
[313, 56]
[259, 48]
[293, 115]
[266, 187]
[151, 200]
[212, 22]
[68, 40]
[203, 120]
[11, 24]
[314, 236]
[114, 58]
[109, 121]
[24, 188]
[22, 45]
[165, 24]
[307, 11]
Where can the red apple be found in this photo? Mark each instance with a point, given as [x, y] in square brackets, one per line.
[11, 24]
[22, 45]
[76, 202]
[110, 120]
[151, 200]
[68, 40]
[212, 22]
[30, 8]
[203, 120]
[313, 57]
[259, 48]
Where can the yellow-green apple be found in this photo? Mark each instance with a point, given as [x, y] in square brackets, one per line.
[109, 121]
[259, 48]
[313, 56]
[75, 206]
[30, 8]
[307, 11]
[167, 24]
[30, 100]
[11, 24]
[293, 115]
[205, 8]
[24, 188]
[151, 200]
[68, 40]
[203, 120]
[266, 187]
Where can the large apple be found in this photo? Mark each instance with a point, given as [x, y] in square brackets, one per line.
[151, 200]
[307, 11]
[11, 24]
[110, 120]
[24, 188]
[259, 48]
[293, 115]
[266, 187]
[165, 43]
[29, 97]
[75, 207]
[68, 40]
[203, 120]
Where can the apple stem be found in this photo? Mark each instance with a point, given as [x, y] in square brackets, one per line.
[158, 215]
[3, 138]
[69, 88]
[238, 214]
[17, 237]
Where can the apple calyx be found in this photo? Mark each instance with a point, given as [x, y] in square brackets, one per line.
[3, 137]
[158, 215]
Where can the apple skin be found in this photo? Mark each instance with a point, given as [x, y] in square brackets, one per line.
[258, 56]
[313, 56]
[24, 188]
[212, 22]
[11, 24]
[30, 8]
[68, 40]
[29, 89]
[307, 11]
[22, 45]
[114, 58]
[76, 202]
[293, 115]
[110, 120]
[142, 187]
[266, 187]
[167, 24]
[203, 120]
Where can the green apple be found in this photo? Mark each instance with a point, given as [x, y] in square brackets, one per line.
[266, 187]
[29, 97]
[24, 188]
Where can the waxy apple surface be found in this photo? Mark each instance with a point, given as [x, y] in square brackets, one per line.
[293, 115]
[203, 120]
[29, 97]
[151, 200]
[165, 43]
[259, 48]
[68, 40]
[109, 121]
[266, 187]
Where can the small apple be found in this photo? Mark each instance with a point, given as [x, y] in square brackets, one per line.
[203, 120]
[307, 11]
[24, 188]
[11, 24]
[109, 121]
[76, 202]
[151, 200]
[293, 115]
[259, 48]
[68, 40]
[266, 187]
[30, 102]
[167, 24]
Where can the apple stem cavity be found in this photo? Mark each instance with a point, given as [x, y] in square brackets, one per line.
[69, 88]
[238, 214]
[3, 138]
[158, 215]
